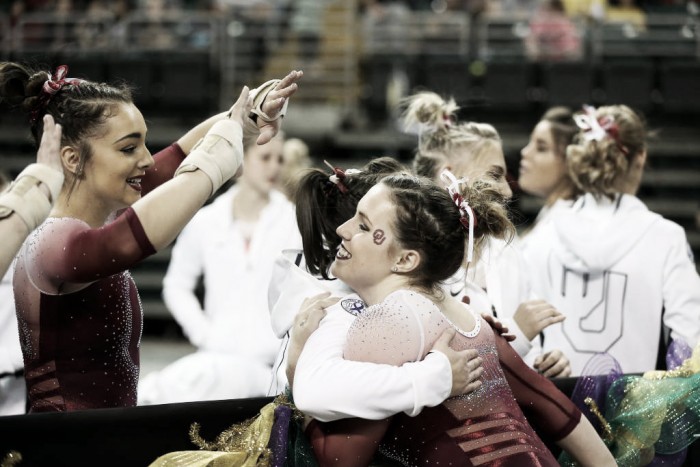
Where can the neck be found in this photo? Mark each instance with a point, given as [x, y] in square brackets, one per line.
[561, 191]
[248, 201]
[81, 207]
[374, 294]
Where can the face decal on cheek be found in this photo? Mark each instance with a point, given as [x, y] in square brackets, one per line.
[378, 236]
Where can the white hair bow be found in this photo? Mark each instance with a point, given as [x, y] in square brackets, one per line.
[466, 213]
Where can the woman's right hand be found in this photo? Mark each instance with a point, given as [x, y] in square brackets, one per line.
[50, 146]
[312, 311]
[241, 108]
[466, 364]
[535, 315]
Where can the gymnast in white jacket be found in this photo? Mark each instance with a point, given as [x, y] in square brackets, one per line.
[621, 272]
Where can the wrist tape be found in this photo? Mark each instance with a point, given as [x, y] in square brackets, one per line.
[25, 198]
[259, 95]
[218, 154]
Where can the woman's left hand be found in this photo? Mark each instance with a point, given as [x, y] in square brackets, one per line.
[553, 364]
[273, 104]
[498, 326]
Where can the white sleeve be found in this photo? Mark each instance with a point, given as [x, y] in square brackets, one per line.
[180, 281]
[328, 387]
[681, 292]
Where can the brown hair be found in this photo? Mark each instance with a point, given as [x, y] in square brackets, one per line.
[321, 208]
[564, 131]
[599, 167]
[428, 221]
[80, 109]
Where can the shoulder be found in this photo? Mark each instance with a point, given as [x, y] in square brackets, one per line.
[407, 302]
[59, 229]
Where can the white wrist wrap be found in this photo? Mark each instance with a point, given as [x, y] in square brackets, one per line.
[259, 94]
[218, 154]
[25, 198]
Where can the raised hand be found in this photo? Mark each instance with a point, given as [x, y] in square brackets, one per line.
[273, 105]
[50, 146]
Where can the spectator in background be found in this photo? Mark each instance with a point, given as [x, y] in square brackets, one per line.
[232, 245]
[626, 12]
[296, 158]
[553, 36]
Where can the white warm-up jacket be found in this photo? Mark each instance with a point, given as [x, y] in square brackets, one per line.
[327, 387]
[618, 271]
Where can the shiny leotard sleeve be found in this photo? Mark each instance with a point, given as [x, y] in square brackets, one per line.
[67, 251]
[545, 406]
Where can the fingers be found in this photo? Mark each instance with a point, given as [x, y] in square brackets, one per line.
[553, 364]
[268, 131]
[466, 371]
[50, 144]
[242, 106]
[287, 86]
[443, 342]
[313, 309]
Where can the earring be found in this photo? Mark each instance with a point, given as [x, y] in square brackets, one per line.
[394, 269]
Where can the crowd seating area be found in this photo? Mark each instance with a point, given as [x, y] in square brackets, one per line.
[483, 61]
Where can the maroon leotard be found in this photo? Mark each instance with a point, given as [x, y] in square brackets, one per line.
[81, 343]
[486, 427]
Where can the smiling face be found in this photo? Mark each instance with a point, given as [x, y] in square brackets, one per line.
[112, 176]
[542, 167]
[486, 163]
[368, 250]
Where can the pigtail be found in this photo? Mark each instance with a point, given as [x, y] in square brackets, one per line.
[315, 194]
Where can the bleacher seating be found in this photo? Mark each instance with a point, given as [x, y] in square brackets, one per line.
[481, 62]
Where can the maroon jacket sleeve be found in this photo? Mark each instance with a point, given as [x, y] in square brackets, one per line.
[548, 409]
[166, 163]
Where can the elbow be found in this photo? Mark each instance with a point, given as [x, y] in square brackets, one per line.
[307, 399]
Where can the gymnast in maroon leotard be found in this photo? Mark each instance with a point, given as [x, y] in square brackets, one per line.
[423, 228]
[78, 310]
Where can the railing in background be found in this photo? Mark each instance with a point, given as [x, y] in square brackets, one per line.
[4, 35]
[663, 35]
[197, 62]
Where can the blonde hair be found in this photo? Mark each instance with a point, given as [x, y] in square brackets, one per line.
[439, 134]
[600, 167]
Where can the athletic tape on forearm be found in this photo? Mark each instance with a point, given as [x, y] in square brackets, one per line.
[26, 199]
[219, 154]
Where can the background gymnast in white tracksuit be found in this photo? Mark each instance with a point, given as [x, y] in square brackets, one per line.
[232, 244]
[496, 281]
[618, 271]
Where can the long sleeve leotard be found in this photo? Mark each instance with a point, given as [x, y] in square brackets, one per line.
[78, 309]
[485, 427]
